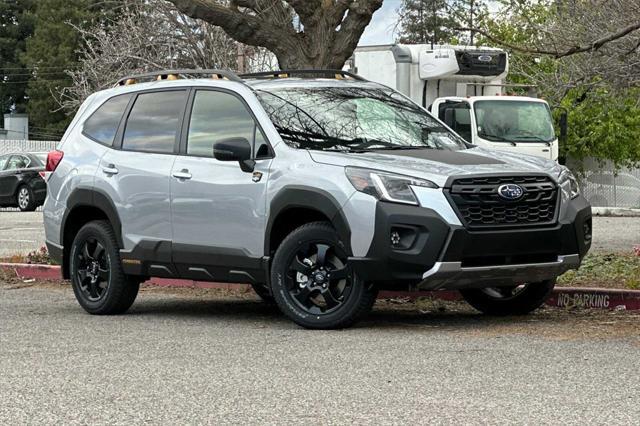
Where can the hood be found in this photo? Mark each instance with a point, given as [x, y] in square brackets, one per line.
[438, 165]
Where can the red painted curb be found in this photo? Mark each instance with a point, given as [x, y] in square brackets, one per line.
[562, 297]
[33, 271]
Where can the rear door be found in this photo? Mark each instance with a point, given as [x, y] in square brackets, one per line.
[218, 209]
[10, 177]
[135, 174]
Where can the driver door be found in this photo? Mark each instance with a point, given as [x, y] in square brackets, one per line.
[218, 210]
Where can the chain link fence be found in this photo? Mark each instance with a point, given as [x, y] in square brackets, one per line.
[605, 186]
[13, 146]
[10, 146]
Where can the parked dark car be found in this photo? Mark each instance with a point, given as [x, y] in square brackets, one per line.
[22, 180]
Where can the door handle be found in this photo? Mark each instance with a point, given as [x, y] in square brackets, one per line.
[182, 174]
[110, 170]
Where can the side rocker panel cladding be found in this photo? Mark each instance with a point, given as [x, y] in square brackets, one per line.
[294, 196]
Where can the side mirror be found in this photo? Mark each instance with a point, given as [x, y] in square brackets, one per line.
[235, 149]
[563, 125]
[232, 149]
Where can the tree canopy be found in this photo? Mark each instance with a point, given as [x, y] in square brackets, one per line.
[301, 33]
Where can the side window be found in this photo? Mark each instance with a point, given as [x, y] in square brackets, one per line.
[3, 161]
[17, 162]
[153, 123]
[218, 115]
[103, 123]
[457, 115]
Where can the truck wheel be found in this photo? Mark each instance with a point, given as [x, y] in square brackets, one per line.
[312, 282]
[25, 199]
[99, 283]
[518, 300]
[263, 292]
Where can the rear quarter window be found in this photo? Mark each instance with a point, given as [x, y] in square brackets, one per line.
[103, 123]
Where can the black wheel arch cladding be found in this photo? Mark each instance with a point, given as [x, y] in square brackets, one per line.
[297, 196]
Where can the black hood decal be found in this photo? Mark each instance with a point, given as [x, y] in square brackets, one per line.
[456, 158]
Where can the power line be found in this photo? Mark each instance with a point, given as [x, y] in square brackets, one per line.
[35, 80]
[32, 73]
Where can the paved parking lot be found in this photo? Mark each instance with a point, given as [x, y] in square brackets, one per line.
[203, 357]
[23, 232]
[20, 232]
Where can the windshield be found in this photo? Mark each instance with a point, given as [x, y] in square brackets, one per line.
[514, 121]
[354, 119]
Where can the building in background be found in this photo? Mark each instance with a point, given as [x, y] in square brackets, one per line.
[16, 127]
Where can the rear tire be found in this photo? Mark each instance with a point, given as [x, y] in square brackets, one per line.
[312, 283]
[502, 301]
[98, 280]
[25, 199]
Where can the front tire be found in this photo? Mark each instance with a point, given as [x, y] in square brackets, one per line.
[517, 300]
[25, 199]
[98, 280]
[312, 282]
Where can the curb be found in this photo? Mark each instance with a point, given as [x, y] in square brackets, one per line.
[615, 211]
[562, 297]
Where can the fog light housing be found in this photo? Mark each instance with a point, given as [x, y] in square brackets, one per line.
[402, 237]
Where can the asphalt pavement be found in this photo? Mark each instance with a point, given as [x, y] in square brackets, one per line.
[21, 233]
[204, 357]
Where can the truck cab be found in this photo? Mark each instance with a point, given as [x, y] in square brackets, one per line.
[509, 123]
[465, 87]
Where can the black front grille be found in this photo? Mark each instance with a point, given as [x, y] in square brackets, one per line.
[479, 204]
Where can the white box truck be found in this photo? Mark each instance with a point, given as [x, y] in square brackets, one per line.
[464, 86]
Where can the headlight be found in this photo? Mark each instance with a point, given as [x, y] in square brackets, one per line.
[386, 186]
[567, 176]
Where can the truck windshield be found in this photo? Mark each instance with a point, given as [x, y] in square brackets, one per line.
[514, 121]
[353, 119]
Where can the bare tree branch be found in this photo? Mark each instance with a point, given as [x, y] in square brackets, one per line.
[594, 45]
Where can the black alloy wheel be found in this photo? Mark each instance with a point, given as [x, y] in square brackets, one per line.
[93, 269]
[318, 278]
[313, 283]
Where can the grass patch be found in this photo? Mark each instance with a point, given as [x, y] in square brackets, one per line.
[609, 270]
[40, 257]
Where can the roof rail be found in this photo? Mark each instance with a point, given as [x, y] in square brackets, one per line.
[178, 74]
[336, 74]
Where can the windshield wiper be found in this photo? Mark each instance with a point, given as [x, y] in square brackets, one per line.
[346, 150]
[534, 138]
[495, 138]
[400, 147]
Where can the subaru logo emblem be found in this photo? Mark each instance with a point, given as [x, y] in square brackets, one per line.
[510, 191]
[485, 58]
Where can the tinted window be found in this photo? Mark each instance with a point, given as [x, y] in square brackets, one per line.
[216, 116]
[152, 125]
[103, 123]
[457, 115]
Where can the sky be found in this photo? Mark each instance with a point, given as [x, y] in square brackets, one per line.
[382, 29]
[382, 26]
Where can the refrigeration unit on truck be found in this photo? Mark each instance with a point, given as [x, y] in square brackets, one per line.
[464, 86]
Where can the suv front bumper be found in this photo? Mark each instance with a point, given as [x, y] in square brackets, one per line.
[445, 256]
